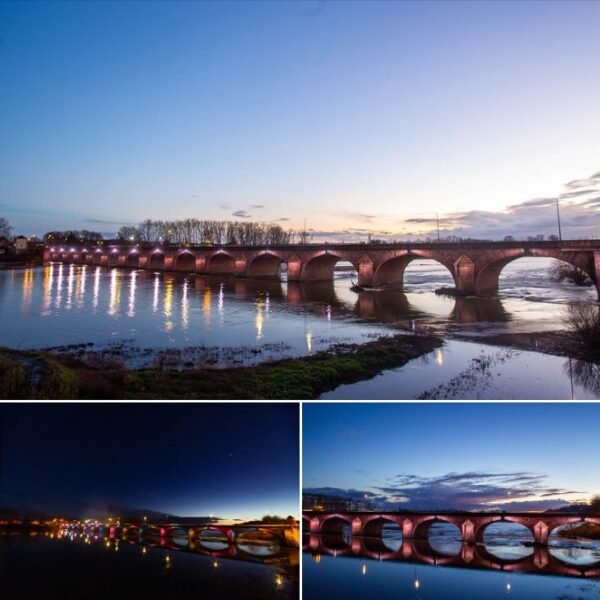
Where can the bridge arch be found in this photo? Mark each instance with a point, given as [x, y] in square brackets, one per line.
[133, 259]
[449, 544]
[264, 265]
[221, 264]
[83, 257]
[423, 529]
[335, 524]
[210, 539]
[113, 258]
[185, 261]
[487, 280]
[97, 258]
[321, 267]
[374, 526]
[391, 272]
[510, 528]
[156, 260]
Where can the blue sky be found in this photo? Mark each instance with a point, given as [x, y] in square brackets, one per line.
[461, 456]
[356, 116]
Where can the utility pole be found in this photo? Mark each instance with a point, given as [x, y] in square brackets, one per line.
[558, 218]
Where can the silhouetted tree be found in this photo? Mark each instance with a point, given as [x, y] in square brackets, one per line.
[71, 236]
[5, 228]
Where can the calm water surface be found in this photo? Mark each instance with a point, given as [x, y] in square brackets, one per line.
[40, 567]
[137, 316]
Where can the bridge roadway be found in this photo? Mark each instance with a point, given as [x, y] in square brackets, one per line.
[416, 525]
[474, 266]
[541, 560]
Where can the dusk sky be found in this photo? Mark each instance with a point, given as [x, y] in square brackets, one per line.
[452, 456]
[229, 460]
[360, 117]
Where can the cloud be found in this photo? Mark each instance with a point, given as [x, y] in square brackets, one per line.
[242, 214]
[365, 218]
[256, 205]
[103, 222]
[225, 206]
[580, 218]
[282, 219]
[473, 490]
[533, 203]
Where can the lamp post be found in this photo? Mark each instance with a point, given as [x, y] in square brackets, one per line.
[558, 219]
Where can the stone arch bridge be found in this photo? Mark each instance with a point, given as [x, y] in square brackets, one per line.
[287, 535]
[474, 266]
[415, 525]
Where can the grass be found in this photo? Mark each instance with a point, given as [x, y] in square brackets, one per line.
[35, 375]
[300, 378]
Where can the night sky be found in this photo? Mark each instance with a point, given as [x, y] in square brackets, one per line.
[229, 460]
[453, 456]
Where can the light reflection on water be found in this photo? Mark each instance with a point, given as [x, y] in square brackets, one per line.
[62, 304]
[442, 567]
[93, 566]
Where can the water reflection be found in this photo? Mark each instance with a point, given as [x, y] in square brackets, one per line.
[66, 564]
[264, 550]
[449, 552]
[585, 374]
[175, 311]
[324, 298]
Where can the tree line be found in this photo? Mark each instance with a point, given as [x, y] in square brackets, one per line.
[189, 231]
[197, 231]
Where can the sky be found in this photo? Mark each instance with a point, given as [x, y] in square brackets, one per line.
[234, 461]
[360, 117]
[452, 456]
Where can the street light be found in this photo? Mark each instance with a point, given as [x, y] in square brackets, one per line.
[558, 219]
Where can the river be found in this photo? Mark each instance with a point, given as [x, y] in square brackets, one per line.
[48, 565]
[146, 318]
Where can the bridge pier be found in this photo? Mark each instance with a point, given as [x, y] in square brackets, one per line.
[597, 271]
[464, 275]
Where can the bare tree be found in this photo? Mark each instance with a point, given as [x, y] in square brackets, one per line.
[5, 228]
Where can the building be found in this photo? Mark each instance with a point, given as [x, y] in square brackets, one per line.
[21, 244]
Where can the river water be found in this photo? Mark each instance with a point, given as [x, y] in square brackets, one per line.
[505, 565]
[146, 318]
[40, 566]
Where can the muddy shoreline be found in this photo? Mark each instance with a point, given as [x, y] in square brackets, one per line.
[298, 378]
[556, 343]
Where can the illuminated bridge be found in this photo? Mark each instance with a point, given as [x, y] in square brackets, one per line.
[474, 266]
[416, 525]
[286, 535]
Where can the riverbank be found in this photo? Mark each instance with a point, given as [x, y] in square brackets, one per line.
[25, 374]
[589, 531]
[557, 343]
